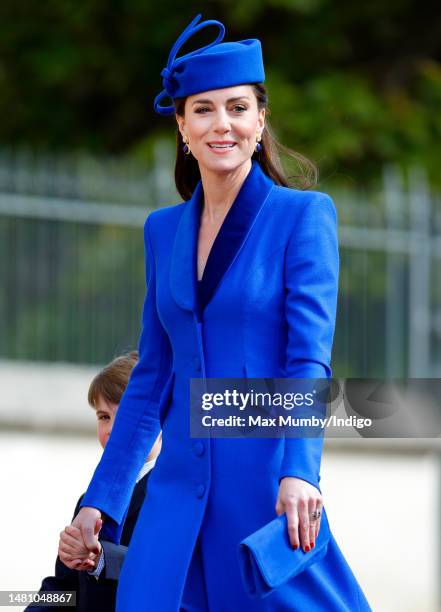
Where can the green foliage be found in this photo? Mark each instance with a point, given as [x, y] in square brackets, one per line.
[351, 85]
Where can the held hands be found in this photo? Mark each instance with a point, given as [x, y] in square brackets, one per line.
[79, 547]
[299, 500]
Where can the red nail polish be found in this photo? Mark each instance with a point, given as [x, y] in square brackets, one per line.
[295, 546]
[312, 544]
[306, 548]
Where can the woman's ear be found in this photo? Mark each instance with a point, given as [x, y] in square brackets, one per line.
[262, 119]
[180, 122]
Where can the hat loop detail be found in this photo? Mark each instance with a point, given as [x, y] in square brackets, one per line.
[169, 82]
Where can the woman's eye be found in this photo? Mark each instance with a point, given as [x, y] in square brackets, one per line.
[103, 418]
[237, 108]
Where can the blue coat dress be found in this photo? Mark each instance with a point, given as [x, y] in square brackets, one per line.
[266, 308]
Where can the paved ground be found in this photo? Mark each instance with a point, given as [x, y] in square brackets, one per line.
[383, 511]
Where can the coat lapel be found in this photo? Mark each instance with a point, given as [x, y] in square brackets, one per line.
[234, 231]
[226, 247]
[183, 264]
[138, 495]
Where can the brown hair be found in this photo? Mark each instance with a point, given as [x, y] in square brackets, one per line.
[187, 173]
[112, 381]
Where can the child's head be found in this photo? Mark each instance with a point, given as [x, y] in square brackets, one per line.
[105, 393]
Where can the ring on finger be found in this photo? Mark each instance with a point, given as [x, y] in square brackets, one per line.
[316, 514]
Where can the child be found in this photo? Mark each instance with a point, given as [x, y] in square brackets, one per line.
[96, 587]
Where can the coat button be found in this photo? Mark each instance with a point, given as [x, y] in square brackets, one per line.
[198, 448]
[200, 490]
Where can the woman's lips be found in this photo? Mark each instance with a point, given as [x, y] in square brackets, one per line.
[221, 150]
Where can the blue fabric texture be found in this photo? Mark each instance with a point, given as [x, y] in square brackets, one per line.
[213, 66]
[270, 312]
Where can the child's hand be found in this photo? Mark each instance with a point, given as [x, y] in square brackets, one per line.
[73, 551]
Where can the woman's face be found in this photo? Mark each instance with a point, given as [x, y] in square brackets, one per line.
[221, 127]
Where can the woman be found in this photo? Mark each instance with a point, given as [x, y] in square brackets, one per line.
[242, 282]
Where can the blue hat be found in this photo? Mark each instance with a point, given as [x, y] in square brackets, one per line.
[214, 66]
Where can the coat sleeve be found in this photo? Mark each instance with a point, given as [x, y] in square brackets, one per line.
[114, 555]
[137, 420]
[311, 284]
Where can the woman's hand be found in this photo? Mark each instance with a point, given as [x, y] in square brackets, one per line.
[79, 545]
[299, 500]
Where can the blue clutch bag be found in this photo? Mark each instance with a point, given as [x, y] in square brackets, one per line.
[267, 559]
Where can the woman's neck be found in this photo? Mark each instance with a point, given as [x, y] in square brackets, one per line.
[220, 190]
